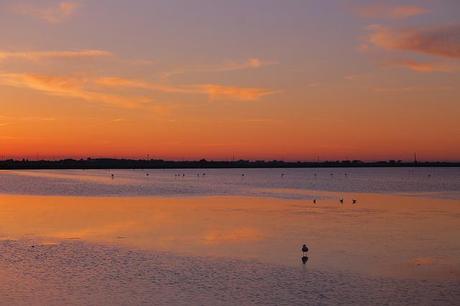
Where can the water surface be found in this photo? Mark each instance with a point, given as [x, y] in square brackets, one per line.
[403, 229]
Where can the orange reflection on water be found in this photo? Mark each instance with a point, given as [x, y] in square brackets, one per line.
[381, 234]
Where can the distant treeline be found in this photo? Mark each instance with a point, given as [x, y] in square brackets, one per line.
[108, 163]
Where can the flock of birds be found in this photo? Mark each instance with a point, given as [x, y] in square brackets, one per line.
[341, 200]
[315, 201]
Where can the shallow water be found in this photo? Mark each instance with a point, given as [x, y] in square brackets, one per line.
[381, 235]
[75, 273]
[439, 182]
[402, 233]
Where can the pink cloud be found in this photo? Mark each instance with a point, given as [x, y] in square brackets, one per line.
[52, 14]
[440, 41]
[423, 67]
[392, 12]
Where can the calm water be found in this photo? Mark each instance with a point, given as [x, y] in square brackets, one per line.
[442, 182]
[404, 226]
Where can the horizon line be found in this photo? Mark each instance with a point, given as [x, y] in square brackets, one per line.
[252, 160]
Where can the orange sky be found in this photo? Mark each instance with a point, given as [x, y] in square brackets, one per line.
[259, 79]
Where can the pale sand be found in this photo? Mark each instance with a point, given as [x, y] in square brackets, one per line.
[78, 273]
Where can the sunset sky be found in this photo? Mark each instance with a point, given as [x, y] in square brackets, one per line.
[254, 79]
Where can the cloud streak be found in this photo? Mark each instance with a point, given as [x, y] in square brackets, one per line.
[252, 63]
[438, 41]
[40, 55]
[52, 14]
[391, 12]
[96, 89]
[411, 89]
[214, 91]
[120, 82]
[70, 87]
[231, 92]
[423, 67]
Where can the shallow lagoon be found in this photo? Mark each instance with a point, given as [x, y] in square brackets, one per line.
[402, 232]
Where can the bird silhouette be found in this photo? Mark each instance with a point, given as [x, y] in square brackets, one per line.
[304, 250]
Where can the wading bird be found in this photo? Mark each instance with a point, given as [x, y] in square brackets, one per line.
[304, 250]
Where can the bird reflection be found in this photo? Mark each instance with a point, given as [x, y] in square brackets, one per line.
[304, 260]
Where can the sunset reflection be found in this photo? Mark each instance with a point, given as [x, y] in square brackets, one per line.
[386, 234]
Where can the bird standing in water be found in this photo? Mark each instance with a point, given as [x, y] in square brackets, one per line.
[304, 254]
[304, 250]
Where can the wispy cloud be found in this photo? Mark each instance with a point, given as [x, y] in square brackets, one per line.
[214, 91]
[140, 84]
[116, 120]
[71, 87]
[77, 87]
[410, 89]
[26, 118]
[439, 41]
[423, 67]
[392, 12]
[12, 120]
[252, 63]
[52, 14]
[240, 93]
[39, 55]
[96, 89]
